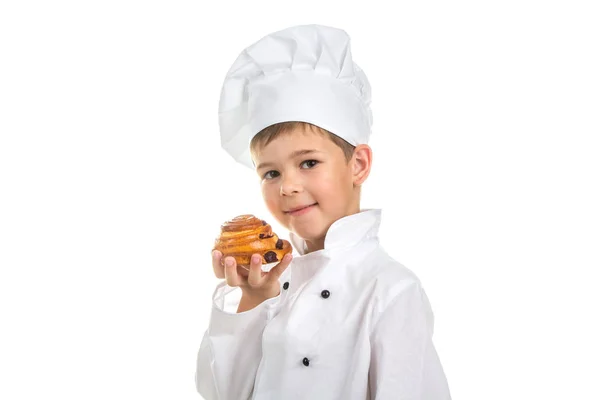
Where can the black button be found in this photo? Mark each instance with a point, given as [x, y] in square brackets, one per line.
[305, 362]
[286, 285]
[325, 294]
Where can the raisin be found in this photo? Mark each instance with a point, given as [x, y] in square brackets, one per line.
[279, 244]
[263, 222]
[270, 256]
[261, 236]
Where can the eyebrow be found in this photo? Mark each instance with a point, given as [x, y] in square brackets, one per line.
[295, 154]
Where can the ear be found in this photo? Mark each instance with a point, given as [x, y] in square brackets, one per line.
[361, 163]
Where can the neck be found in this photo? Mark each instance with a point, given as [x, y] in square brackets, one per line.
[314, 245]
[319, 244]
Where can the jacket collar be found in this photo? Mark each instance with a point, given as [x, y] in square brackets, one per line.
[345, 232]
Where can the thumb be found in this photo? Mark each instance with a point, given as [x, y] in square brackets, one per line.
[277, 270]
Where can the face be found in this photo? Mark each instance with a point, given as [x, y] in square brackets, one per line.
[306, 182]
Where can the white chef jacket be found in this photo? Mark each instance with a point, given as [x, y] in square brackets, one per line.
[350, 323]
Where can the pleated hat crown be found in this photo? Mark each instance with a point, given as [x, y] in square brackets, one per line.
[302, 73]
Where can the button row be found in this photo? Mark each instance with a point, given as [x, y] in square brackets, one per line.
[324, 294]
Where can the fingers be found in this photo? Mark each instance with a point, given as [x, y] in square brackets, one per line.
[231, 275]
[255, 276]
[216, 262]
[277, 270]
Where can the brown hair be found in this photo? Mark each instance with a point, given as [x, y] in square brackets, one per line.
[271, 132]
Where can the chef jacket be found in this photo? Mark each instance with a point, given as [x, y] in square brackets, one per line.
[349, 323]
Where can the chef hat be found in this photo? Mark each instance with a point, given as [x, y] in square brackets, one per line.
[302, 73]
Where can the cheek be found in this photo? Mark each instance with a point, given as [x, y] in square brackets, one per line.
[334, 187]
[270, 195]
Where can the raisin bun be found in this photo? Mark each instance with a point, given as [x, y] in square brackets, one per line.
[245, 235]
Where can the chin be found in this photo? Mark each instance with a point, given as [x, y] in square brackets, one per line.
[310, 227]
[309, 232]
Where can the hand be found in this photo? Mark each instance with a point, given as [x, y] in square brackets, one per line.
[254, 283]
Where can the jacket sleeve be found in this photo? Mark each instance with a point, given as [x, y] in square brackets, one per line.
[231, 348]
[404, 362]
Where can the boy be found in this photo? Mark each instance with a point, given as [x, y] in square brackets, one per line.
[342, 320]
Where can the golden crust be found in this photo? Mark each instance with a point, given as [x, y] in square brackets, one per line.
[245, 235]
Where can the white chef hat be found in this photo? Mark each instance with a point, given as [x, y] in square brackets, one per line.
[302, 73]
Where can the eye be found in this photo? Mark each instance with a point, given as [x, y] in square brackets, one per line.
[271, 175]
[309, 163]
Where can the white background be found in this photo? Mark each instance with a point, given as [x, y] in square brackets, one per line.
[113, 185]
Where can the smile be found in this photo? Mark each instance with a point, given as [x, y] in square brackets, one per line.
[301, 211]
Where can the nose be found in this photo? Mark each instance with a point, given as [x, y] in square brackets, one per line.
[290, 185]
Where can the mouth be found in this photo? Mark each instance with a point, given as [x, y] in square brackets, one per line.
[299, 210]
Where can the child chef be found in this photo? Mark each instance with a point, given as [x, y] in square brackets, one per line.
[342, 319]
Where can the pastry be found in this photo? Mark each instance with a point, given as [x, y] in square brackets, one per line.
[246, 235]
